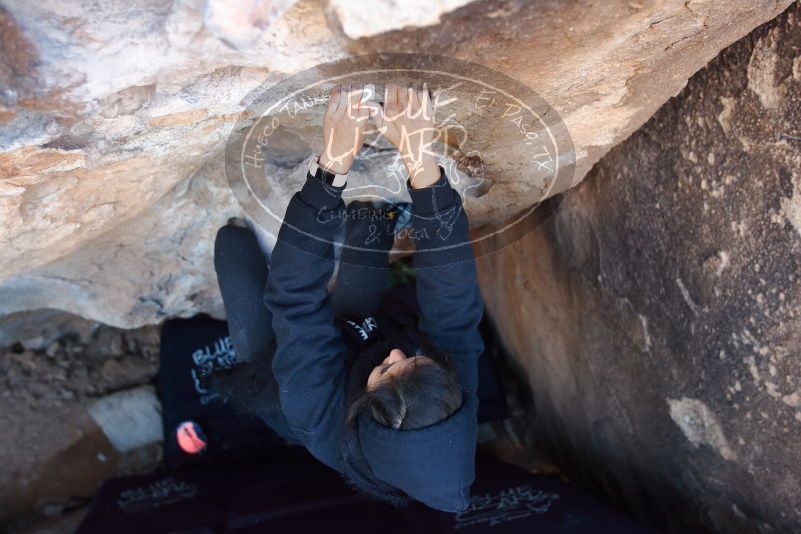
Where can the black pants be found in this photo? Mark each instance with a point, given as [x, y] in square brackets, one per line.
[242, 271]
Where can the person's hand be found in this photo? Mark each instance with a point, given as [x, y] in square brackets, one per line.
[344, 124]
[407, 121]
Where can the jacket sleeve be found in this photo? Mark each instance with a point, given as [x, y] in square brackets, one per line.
[447, 288]
[309, 362]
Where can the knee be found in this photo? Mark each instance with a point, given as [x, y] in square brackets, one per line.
[228, 240]
[223, 237]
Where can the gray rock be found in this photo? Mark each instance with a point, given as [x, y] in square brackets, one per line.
[130, 419]
[656, 313]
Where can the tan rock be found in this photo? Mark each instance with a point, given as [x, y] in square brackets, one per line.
[111, 107]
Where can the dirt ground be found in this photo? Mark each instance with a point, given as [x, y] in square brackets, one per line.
[54, 455]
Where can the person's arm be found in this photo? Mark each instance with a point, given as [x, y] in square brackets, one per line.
[309, 359]
[447, 289]
[309, 362]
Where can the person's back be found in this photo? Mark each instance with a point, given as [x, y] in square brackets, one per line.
[388, 399]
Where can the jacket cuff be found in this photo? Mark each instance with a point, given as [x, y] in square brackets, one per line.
[435, 198]
[319, 194]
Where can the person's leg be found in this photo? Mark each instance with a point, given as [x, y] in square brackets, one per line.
[242, 276]
[364, 264]
[242, 272]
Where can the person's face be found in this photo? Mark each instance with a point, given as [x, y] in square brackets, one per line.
[395, 364]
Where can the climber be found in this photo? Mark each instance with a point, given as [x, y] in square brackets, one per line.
[377, 383]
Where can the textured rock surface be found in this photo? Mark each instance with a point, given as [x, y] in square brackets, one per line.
[74, 412]
[156, 265]
[656, 313]
[107, 109]
[364, 19]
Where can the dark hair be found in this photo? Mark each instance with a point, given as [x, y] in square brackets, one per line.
[421, 396]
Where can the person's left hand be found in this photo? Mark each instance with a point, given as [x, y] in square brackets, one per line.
[407, 121]
[344, 125]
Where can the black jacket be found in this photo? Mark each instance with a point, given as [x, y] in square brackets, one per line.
[434, 465]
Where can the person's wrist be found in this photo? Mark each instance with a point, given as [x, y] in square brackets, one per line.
[340, 166]
[424, 173]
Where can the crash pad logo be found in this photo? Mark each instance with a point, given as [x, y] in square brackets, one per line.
[507, 505]
[156, 494]
[503, 148]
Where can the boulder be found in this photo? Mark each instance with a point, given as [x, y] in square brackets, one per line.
[655, 310]
[114, 118]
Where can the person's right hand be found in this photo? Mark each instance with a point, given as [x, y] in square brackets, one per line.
[407, 121]
[344, 124]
